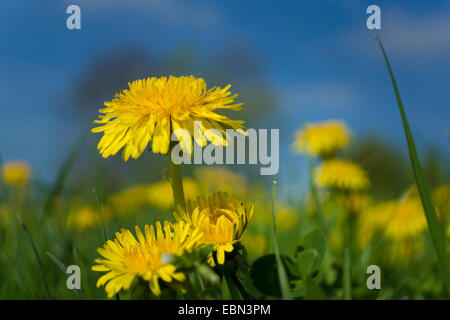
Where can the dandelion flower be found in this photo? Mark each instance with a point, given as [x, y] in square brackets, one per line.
[16, 173]
[159, 194]
[373, 219]
[83, 218]
[322, 139]
[127, 259]
[151, 109]
[222, 220]
[407, 221]
[128, 200]
[402, 251]
[342, 175]
[215, 179]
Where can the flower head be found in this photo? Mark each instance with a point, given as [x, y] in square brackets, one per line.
[373, 219]
[83, 218]
[342, 175]
[126, 259]
[160, 193]
[222, 220]
[214, 179]
[151, 109]
[16, 173]
[408, 220]
[322, 139]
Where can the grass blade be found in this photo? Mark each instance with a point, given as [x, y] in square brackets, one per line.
[105, 236]
[347, 275]
[100, 210]
[432, 219]
[63, 269]
[61, 177]
[58, 262]
[36, 253]
[282, 276]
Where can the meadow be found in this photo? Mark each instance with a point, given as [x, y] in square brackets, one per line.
[210, 232]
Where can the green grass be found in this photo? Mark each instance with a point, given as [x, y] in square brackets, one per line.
[432, 219]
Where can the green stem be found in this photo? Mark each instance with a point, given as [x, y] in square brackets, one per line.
[315, 196]
[432, 219]
[177, 185]
[347, 275]
[282, 276]
[234, 291]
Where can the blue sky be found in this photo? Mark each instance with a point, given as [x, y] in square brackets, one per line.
[318, 56]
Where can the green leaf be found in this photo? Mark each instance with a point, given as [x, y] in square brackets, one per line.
[313, 291]
[264, 273]
[432, 219]
[247, 284]
[307, 261]
[310, 252]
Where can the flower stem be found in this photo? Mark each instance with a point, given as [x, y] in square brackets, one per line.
[177, 185]
[347, 275]
[319, 213]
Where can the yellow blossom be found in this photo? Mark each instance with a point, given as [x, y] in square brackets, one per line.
[84, 217]
[221, 218]
[341, 175]
[16, 173]
[151, 109]
[408, 219]
[322, 139]
[126, 259]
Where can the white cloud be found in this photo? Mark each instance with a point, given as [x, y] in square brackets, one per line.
[412, 36]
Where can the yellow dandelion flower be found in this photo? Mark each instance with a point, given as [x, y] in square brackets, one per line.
[341, 175]
[441, 199]
[129, 200]
[151, 109]
[159, 194]
[221, 218]
[402, 251]
[127, 259]
[408, 219]
[84, 217]
[322, 139]
[16, 173]
[215, 179]
[373, 219]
